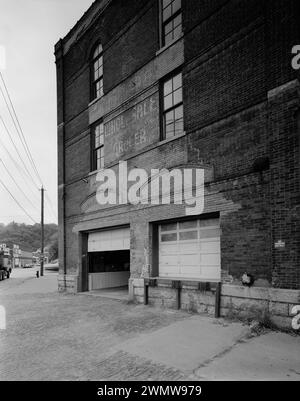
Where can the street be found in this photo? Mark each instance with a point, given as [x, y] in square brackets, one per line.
[51, 336]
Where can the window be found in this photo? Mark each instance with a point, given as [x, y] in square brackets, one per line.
[98, 147]
[171, 20]
[172, 107]
[97, 73]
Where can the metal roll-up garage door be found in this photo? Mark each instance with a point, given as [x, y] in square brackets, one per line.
[109, 258]
[109, 240]
[190, 250]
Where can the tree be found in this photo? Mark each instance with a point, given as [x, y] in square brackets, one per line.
[53, 250]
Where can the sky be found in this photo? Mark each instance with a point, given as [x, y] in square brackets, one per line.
[29, 30]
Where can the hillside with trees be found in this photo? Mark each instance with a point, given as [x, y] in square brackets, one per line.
[28, 237]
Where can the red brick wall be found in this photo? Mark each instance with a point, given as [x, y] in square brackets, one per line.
[235, 53]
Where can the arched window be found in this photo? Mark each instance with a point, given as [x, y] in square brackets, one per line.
[97, 72]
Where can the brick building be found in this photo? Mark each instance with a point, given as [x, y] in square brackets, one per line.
[181, 84]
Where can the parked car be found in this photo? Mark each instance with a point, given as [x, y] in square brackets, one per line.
[5, 266]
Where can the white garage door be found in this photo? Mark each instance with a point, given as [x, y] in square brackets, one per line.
[109, 240]
[190, 250]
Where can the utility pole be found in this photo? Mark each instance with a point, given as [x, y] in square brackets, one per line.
[42, 231]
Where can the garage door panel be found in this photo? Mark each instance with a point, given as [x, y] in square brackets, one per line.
[211, 272]
[209, 223]
[190, 271]
[209, 233]
[209, 259]
[171, 271]
[210, 246]
[168, 249]
[189, 260]
[169, 260]
[109, 240]
[188, 247]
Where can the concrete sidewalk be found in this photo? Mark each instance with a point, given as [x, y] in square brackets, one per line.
[186, 344]
[210, 349]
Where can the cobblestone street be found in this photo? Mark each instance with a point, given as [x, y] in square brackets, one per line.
[50, 336]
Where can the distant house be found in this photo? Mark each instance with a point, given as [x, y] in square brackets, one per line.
[25, 258]
[37, 257]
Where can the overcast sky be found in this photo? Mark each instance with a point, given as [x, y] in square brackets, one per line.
[28, 31]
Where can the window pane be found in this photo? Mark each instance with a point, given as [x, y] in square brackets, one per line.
[168, 87]
[170, 129]
[177, 81]
[177, 21]
[97, 141]
[169, 117]
[96, 71]
[100, 163]
[168, 102]
[169, 124]
[99, 88]
[179, 113]
[209, 222]
[176, 5]
[100, 158]
[97, 51]
[168, 38]
[169, 237]
[178, 96]
[187, 224]
[177, 32]
[178, 127]
[166, 3]
[209, 233]
[169, 227]
[188, 235]
[168, 28]
[167, 13]
[99, 135]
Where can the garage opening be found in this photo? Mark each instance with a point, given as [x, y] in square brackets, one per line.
[109, 258]
[190, 250]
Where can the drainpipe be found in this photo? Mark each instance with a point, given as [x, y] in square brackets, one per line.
[218, 301]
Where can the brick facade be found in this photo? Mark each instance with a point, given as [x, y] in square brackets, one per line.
[241, 114]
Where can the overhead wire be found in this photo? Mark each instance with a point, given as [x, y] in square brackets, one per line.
[18, 127]
[23, 141]
[17, 202]
[17, 185]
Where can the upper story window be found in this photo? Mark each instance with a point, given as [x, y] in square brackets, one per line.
[172, 106]
[97, 73]
[171, 20]
[97, 147]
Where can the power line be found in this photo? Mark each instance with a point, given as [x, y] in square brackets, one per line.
[18, 167]
[20, 206]
[18, 153]
[26, 175]
[20, 189]
[22, 138]
[18, 125]
[15, 125]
